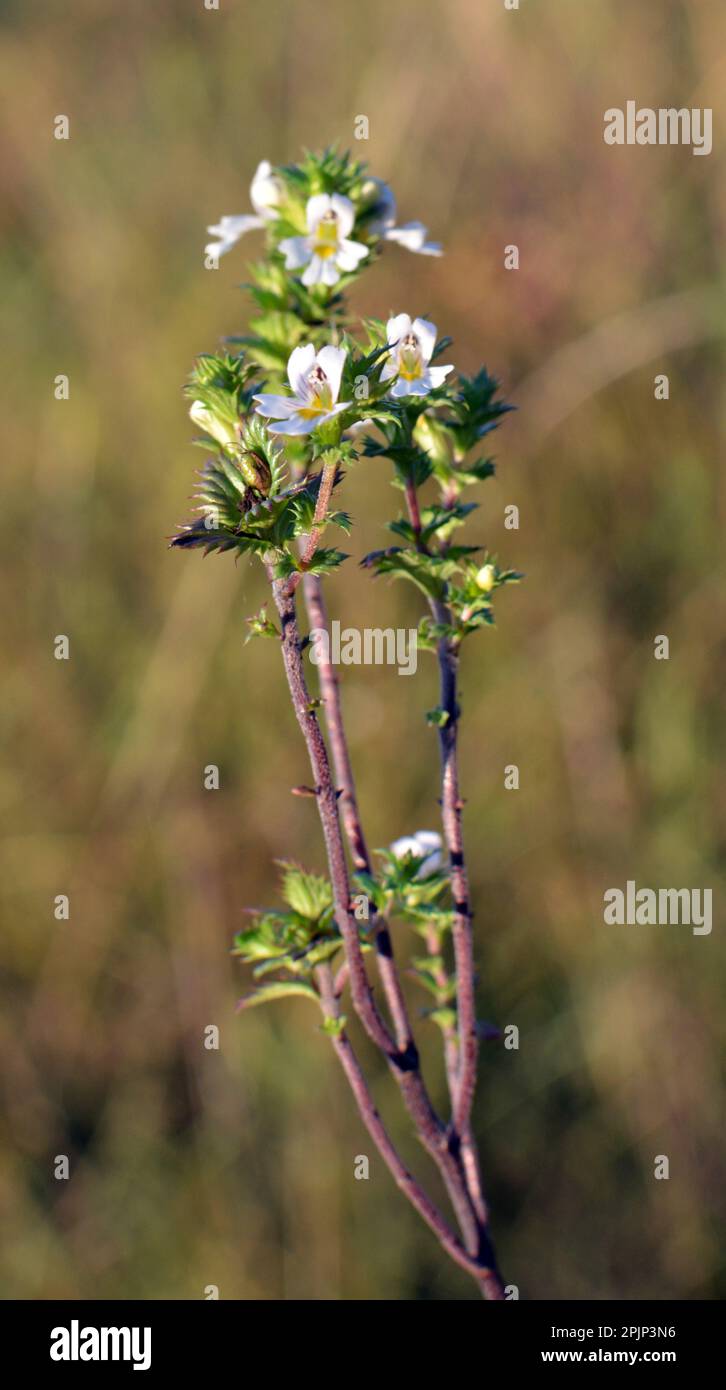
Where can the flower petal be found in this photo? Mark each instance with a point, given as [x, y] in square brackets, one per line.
[397, 328]
[426, 334]
[330, 273]
[409, 388]
[351, 253]
[275, 407]
[337, 410]
[435, 376]
[389, 368]
[412, 236]
[345, 213]
[317, 206]
[295, 425]
[299, 362]
[296, 250]
[406, 845]
[229, 230]
[429, 840]
[332, 361]
[265, 190]
[314, 273]
[357, 428]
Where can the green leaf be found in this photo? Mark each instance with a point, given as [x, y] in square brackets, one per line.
[334, 1026]
[445, 1017]
[278, 989]
[325, 560]
[306, 893]
[421, 570]
[261, 626]
[438, 717]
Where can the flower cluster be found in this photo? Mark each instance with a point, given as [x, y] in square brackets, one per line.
[324, 249]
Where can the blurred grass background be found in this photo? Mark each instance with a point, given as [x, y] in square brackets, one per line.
[235, 1167]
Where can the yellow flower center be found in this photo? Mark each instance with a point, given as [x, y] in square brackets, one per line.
[410, 365]
[326, 236]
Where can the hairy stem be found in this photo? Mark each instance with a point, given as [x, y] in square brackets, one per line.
[451, 1047]
[462, 1077]
[403, 1065]
[377, 1130]
[327, 483]
[350, 814]
[451, 808]
[330, 695]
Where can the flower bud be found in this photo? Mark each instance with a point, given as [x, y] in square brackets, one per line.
[221, 430]
[486, 578]
[434, 439]
[266, 190]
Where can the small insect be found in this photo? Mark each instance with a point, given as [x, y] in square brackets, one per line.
[256, 472]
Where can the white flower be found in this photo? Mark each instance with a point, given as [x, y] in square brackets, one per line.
[412, 348]
[326, 250]
[412, 235]
[315, 381]
[218, 429]
[265, 193]
[424, 845]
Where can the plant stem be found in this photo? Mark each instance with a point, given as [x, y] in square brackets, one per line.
[451, 1047]
[330, 695]
[464, 1084]
[327, 482]
[348, 803]
[377, 1130]
[403, 1065]
[451, 808]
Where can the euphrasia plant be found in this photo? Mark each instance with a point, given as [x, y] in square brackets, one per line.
[283, 411]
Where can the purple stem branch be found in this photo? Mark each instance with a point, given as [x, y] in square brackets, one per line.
[377, 1130]
[350, 814]
[403, 1065]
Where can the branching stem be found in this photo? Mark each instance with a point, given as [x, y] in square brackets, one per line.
[403, 1065]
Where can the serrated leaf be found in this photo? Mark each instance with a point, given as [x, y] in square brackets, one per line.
[309, 894]
[324, 561]
[278, 989]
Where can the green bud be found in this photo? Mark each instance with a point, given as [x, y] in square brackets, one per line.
[223, 431]
[434, 439]
[486, 578]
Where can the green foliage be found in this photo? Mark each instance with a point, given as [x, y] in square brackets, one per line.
[473, 410]
[261, 626]
[333, 1027]
[436, 521]
[294, 939]
[234, 516]
[278, 989]
[401, 890]
[331, 171]
[306, 893]
[429, 572]
[221, 382]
